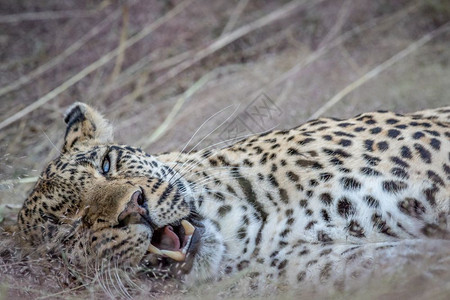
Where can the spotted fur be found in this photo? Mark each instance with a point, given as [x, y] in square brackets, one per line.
[310, 204]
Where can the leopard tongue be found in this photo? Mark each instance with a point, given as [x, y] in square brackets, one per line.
[171, 239]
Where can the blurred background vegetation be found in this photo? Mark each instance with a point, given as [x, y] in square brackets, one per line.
[159, 69]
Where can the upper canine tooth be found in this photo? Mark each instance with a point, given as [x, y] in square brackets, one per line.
[188, 227]
[153, 249]
[175, 255]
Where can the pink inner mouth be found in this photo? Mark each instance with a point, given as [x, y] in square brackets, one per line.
[170, 238]
[177, 242]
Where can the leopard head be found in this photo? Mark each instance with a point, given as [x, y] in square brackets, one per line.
[102, 200]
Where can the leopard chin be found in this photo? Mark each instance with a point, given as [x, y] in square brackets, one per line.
[210, 254]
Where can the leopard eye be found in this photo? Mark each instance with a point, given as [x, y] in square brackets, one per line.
[106, 164]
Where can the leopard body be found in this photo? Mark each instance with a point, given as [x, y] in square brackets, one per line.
[315, 204]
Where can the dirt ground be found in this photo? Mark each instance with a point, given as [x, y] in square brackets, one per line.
[160, 70]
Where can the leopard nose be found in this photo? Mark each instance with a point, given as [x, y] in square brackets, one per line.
[134, 209]
[138, 199]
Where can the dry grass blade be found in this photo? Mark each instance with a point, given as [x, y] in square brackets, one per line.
[166, 124]
[123, 38]
[336, 28]
[46, 15]
[10, 182]
[94, 66]
[61, 57]
[276, 15]
[121, 48]
[380, 23]
[235, 16]
[138, 70]
[59, 294]
[380, 68]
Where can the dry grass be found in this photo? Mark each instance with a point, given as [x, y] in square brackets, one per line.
[158, 69]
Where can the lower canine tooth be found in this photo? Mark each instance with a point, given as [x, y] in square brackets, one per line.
[188, 242]
[188, 227]
[175, 255]
[153, 249]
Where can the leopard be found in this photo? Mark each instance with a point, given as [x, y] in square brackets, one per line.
[316, 204]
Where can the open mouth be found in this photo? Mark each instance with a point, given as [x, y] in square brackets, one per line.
[176, 241]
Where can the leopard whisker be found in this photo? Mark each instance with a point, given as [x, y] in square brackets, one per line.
[227, 193]
[206, 136]
[51, 142]
[111, 279]
[97, 275]
[120, 283]
[102, 282]
[226, 176]
[105, 279]
[238, 138]
[130, 280]
[206, 182]
[198, 173]
[198, 129]
[194, 164]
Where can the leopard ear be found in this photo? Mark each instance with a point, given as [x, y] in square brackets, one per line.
[85, 125]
